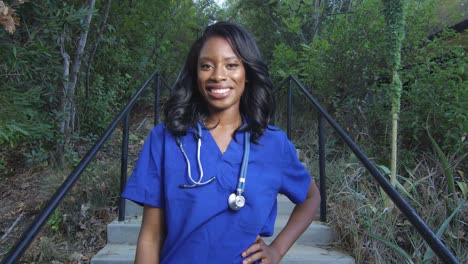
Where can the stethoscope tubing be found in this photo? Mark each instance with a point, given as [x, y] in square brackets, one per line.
[243, 172]
[245, 162]
[200, 167]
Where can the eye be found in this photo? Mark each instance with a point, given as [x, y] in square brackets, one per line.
[232, 65]
[205, 66]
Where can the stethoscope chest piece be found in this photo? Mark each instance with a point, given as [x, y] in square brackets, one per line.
[236, 202]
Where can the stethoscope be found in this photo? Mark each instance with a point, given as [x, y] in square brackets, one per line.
[236, 200]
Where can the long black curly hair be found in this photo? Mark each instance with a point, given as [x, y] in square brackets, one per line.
[186, 106]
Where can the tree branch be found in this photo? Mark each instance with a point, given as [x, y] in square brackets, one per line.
[102, 29]
[11, 227]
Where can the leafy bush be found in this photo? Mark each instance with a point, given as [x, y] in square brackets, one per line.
[435, 96]
[98, 111]
[19, 119]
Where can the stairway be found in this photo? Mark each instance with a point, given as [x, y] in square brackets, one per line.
[311, 247]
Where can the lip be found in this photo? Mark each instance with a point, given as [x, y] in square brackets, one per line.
[218, 91]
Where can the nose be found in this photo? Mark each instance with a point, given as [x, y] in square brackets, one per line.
[218, 74]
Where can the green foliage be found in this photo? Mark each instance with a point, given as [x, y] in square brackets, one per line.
[97, 112]
[337, 48]
[31, 71]
[19, 119]
[346, 66]
[55, 220]
[343, 64]
[36, 156]
[284, 58]
[445, 163]
[394, 246]
[388, 236]
[436, 92]
[394, 12]
[429, 255]
[138, 39]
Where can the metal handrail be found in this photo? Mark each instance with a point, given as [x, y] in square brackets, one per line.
[427, 234]
[439, 248]
[15, 253]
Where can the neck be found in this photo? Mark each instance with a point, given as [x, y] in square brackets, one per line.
[224, 119]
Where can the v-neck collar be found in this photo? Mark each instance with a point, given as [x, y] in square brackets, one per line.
[234, 150]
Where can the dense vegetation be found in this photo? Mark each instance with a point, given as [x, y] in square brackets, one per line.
[67, 67]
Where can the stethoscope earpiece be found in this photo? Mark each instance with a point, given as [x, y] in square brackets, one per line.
[236, 200]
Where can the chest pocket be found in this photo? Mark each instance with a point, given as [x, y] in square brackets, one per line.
[260, 194]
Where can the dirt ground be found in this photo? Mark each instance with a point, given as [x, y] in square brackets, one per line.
[78, 232]
[21, 200]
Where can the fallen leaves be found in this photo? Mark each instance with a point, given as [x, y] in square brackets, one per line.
[7, 16]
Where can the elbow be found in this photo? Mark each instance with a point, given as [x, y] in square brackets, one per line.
[319, 197]
[313, 196]
[315, 193]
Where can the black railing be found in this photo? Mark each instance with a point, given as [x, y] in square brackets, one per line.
[433, 241]
[426, 233]
[18, 249]
[159, 83]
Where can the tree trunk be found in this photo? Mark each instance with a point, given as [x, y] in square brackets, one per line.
[58, 159]
[67, 98]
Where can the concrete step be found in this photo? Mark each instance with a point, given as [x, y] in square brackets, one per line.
[132, 209]
[126, 232]
[285, 206]
[317, 234]
[115, 254]
[298, 254]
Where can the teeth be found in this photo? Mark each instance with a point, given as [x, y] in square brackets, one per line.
[219, 91]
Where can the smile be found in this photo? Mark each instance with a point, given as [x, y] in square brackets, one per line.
[219, 91]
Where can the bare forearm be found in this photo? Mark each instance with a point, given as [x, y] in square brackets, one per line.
[147, 253]
[301, 217]
[151, 237]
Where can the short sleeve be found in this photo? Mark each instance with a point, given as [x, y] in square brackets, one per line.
[144, 186]
[296, 178]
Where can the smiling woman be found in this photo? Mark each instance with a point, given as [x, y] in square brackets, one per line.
[217, 125]
[221, 77]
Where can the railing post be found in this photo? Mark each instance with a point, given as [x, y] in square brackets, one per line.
[322, 163]
[289, 108]
[124, 165]
[156, 99]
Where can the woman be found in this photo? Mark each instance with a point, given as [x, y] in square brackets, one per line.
[209, 177]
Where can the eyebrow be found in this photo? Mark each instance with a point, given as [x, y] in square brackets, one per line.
[226, 59]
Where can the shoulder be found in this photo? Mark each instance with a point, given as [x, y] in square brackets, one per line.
[274, 137]
[160, 131]
[273, 134]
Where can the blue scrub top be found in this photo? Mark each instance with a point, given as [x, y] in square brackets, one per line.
[201, 228]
